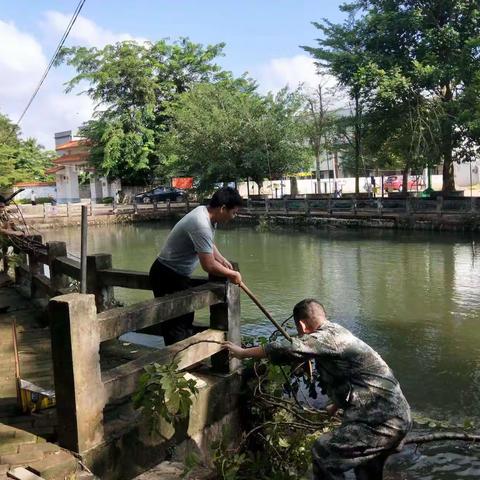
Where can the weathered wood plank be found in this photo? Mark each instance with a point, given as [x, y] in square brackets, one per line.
[115, 277]
[115, 322]
[125, 278]
[68, 266]
[122, 381]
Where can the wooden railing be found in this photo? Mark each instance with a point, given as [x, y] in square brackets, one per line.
[67, 210]
[80, 323]
[353, 206]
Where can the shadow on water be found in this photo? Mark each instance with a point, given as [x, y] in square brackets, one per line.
[413, 296]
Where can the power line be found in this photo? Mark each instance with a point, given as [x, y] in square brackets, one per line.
[52, 61]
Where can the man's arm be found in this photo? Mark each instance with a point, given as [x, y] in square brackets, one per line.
[213, 266]
[220, 258]
[239, 352]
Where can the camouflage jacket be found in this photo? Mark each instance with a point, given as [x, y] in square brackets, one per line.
[353, 375]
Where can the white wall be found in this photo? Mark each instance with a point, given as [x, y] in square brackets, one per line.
[40, 191]
[462, 173]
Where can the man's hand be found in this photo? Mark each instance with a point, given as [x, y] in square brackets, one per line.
[235, 277]
[235, 350]
[223, 261]
[331, 409]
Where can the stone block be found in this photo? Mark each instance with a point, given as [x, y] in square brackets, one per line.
[21, 473]
[39, 447]
[55, 465]
[24, 458]
[25, 437]
[8, 448]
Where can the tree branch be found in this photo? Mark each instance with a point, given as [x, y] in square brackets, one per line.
[438, 437]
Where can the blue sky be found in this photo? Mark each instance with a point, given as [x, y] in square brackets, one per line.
[262, 37]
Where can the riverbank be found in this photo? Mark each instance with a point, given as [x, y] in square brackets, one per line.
[430, 222]
[453, 215]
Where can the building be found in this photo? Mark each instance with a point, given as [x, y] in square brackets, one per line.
[72, 162]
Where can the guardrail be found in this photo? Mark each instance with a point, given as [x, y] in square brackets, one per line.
[353, 206]
[68, 210]
[80, 323]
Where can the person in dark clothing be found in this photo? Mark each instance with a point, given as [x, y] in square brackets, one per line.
[376, 415]
[191, 242]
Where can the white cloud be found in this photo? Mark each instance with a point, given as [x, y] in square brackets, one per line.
[291, 71]
[84, 32]
[22, 63]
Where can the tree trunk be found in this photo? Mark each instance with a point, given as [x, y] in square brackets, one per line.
[317, 169]
[405, 180]
[358, 134]
[447, 132]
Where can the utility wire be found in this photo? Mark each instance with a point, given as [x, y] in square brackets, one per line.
[54, 57]
[50, 64]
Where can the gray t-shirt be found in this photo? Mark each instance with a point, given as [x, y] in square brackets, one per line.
[192, 235]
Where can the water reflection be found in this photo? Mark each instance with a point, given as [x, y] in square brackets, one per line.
[414, 296]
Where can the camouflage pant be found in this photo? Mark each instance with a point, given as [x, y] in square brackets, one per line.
[356, 445]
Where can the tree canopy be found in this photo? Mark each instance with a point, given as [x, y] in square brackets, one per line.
[131, 85]
[415, 68]
[21, 160]
[226, 131]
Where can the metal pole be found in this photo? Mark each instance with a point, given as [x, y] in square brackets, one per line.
[83, 251]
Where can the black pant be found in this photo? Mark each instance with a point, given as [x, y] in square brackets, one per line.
[164, 280]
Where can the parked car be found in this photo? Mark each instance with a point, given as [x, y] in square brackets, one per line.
[395, 183]
[161, 194]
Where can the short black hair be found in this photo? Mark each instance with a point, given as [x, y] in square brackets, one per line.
[227, 196]
[302, 309]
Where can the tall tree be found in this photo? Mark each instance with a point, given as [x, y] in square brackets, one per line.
[340, 51]
[226, 132]
[434, 46]
[321, 118]
[131, 85]
[21, 160]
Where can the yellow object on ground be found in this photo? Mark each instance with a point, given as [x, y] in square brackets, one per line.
[33, 398]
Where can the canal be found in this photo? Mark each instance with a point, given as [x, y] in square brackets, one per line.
[413, 296]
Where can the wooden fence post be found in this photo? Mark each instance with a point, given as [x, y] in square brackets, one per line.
[226, 317]
[408, 205]
[168, 206]
[34, 265]
[439, 205]
[353, 207]
[79, 390]
[5, 259]
[54, 250]
[285, 205]
[103, 293]
[307, 207]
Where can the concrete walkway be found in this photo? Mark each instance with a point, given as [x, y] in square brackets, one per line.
[23, 437]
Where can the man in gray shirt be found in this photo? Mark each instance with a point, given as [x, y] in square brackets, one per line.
[190, 242]
[376, 415]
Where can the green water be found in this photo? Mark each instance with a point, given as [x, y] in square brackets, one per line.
[413, 296]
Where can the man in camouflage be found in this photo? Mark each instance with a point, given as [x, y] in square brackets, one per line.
[376, 415]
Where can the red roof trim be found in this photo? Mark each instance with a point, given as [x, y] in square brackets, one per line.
[54, 169]
[34, 184]
[73, 144]
[73, 158]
